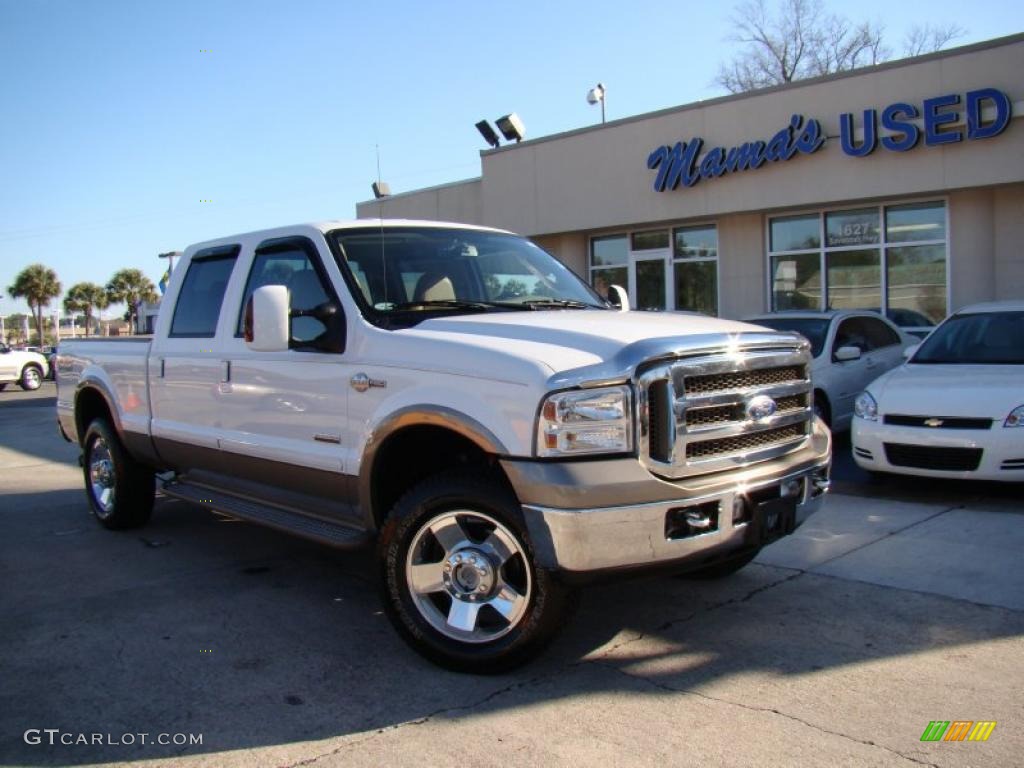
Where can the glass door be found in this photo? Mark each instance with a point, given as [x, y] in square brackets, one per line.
[650, 283]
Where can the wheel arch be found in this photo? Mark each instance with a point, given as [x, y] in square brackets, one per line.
[436, 437]
[92, 399]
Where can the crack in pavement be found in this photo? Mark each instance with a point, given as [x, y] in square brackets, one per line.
[703, 610]
[597, 660]
[436, 713]
[752, 708]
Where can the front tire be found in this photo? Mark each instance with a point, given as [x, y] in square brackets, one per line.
[459, 578]
[31, 377]
[120, 490]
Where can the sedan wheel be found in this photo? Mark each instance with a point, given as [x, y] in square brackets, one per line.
[31, 378]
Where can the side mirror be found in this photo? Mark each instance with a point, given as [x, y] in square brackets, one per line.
[845, 354]
[618, 297]
[266, 319]
[909, 351]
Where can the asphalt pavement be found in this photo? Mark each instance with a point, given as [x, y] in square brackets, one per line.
[901, 603]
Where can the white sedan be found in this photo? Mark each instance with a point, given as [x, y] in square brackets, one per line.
[28, 369]
[850, 349]
[956, 409]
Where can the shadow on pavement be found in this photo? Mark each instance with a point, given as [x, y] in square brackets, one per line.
[252, 638]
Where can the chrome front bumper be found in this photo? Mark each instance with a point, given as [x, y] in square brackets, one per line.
[642, 533]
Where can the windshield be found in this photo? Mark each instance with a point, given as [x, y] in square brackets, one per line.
[416, 270]
[991, 338]
[814, 329]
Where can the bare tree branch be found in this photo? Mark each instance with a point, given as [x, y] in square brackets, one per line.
[796, 39]
[927, 38]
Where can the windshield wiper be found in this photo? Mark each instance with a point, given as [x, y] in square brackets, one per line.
[444, 304]
[561, 303]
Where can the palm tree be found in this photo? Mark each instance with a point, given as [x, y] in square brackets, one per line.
[132, 287]
[38, 285]
[85, 297]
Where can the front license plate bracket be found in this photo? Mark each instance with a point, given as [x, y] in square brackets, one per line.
[775, 518]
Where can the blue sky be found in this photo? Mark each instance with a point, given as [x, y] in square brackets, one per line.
[120, 117]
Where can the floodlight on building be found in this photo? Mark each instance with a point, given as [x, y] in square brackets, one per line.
[511, 127]
[595, 95]
[488, 133]
[381, 189]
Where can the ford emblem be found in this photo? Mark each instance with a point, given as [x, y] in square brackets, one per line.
[760, 408]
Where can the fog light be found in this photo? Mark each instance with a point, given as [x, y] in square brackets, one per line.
[739, 510]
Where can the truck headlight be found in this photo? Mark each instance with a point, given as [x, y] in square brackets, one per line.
[865, 406]
[586, 421]
[1016, 417]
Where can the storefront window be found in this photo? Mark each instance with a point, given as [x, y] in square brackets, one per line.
[646, 241]
[609, 263]
[697, 286]
[609, 251]
[795, 233]
[917, 284]
[855, 279]
[695, 268]
[796, 282]
[913, 291]
[914, 223]
[846, 228]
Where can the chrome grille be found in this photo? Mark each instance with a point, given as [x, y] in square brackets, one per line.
[694, 412]
[696, 385]
[744, 443]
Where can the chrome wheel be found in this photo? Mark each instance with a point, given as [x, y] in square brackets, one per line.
[102, 478]
[468, 576]
[30, 378]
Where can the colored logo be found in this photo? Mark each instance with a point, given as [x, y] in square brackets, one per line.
[958, 730]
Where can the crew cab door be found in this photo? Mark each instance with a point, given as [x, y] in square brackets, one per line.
[283, 414]
[185, 364]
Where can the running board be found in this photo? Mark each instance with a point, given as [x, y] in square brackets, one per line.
[316, 529]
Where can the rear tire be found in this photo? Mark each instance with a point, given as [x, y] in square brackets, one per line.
[459, 579]
[722, 569]
[120, 490]
[31, 377]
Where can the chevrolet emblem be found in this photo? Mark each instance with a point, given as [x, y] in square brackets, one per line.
[933, 422]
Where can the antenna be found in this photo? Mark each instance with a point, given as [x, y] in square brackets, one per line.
[380, 217]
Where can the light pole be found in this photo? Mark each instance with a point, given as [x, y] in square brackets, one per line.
[170, 256]
[597, 94]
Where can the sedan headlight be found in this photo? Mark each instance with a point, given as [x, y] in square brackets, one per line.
[1016, 417]
[865, 406]
[586, 421]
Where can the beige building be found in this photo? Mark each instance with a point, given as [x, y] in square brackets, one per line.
[899, 186]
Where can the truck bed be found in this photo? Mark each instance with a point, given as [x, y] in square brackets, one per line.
[118, 366]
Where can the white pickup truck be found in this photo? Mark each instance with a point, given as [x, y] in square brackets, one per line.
[460, 397]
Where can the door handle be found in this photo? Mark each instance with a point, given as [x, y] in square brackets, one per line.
[225, 375]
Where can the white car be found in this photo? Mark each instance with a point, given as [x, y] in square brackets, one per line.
[956, 409]
[27, 369]
[850, 348]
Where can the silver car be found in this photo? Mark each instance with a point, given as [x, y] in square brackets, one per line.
[851, 348]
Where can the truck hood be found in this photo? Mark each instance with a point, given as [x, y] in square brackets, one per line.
[982, 391]
[591, 344]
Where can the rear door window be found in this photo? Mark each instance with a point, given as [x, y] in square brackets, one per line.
[202, 293]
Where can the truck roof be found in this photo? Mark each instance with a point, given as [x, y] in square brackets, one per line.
[330, 225]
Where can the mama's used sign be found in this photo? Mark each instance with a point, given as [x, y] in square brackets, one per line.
[682, 163]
